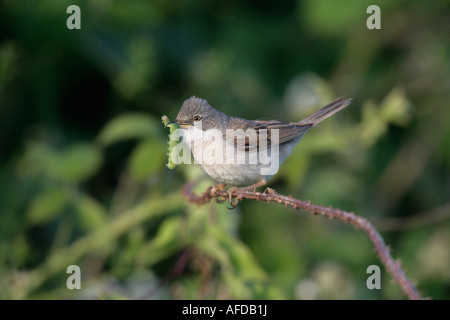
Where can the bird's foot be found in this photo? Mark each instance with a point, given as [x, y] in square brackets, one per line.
[232, 194]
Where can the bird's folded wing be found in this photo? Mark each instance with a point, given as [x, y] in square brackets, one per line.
[287, 131]
[264, 130]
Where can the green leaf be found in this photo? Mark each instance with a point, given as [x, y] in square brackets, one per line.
[73, 164]
[47, 204]
[396, 107]
[227, 250]
[91, 213]
[77, 163]
[165, 243]
[212, 247]
[129, 126]
[147, 158]
[240, 270]
[242, 258]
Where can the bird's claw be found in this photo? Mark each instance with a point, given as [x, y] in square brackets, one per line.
[231, 195]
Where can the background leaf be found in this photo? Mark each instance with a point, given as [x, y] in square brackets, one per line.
[47, 205]
[147, 158]
[129, 126]
[91, 213]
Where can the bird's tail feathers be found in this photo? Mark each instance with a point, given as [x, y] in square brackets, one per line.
[327, 111]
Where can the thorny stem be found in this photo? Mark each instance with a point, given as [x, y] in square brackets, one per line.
[233, 195]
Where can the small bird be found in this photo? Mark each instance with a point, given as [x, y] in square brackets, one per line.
[240, 152]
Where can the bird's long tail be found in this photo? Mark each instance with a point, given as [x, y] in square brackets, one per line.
[327, 111]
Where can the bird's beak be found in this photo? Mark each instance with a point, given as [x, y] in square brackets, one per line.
[180, 123]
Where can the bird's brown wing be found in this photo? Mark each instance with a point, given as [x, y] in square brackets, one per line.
[287, 131]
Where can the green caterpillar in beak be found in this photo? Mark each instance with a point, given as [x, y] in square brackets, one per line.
[172, 140]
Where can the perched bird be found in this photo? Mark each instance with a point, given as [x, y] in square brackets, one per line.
[241, 152]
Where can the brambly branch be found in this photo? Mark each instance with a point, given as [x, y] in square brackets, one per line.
[234, 195]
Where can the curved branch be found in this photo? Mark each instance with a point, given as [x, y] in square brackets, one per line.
[233, 195]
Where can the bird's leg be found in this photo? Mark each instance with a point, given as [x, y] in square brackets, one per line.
[255, 185]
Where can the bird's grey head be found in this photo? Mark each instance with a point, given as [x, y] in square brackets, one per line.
[196, 111]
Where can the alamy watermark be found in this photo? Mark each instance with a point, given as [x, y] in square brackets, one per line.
[374, 280]
[74, 20]
[74, 280]
[374, 20]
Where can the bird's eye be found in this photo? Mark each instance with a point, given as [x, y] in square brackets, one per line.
[197, 118]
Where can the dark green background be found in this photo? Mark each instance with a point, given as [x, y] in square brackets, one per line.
[82, 149]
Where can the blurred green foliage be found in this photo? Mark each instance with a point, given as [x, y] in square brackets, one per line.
[82, 150]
